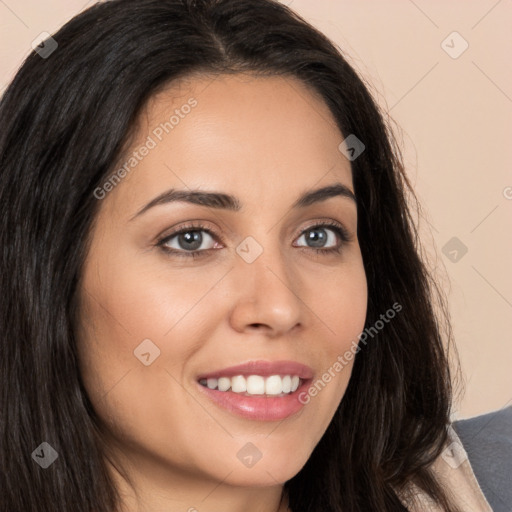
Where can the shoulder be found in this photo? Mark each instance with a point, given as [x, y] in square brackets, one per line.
[487, 440]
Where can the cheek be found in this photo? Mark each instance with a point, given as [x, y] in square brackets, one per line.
[131, 398]
[127, 302]
[341, 305]
[344, 307]
[132, 298]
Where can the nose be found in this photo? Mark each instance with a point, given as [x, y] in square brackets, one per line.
[267, 296]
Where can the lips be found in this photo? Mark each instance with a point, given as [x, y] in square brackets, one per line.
[263, 399]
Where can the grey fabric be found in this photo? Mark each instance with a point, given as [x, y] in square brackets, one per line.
[487, 440]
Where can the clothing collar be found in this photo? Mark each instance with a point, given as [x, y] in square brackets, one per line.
[453, 470]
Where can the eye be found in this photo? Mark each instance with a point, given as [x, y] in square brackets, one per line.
[188, 241]
[325, 234]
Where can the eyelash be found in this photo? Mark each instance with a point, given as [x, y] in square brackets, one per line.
[337, 228]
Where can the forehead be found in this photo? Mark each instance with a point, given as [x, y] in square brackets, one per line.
[264, 137]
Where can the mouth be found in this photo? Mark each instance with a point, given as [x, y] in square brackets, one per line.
[258, 390]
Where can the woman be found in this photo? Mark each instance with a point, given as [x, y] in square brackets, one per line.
[259, 372]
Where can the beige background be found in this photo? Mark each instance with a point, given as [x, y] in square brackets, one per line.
[455, 116]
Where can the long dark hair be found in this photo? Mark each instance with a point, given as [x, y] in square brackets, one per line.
[64, 121]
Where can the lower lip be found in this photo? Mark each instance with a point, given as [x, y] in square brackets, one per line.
[258, 407]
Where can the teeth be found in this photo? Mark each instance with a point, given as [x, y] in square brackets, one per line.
[224, 384]
[255, 384]
[212, 383]
[238, 384]
[274, 385]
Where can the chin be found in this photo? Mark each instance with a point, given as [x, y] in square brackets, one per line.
[272, 468]
[264, 475]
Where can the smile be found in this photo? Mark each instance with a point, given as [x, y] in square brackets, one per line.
[258, 390]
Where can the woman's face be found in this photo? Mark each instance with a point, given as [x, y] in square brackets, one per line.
[268, 291]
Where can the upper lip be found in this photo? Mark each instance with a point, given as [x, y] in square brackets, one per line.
[263, 368]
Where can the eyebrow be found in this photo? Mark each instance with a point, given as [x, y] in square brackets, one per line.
[222, 201]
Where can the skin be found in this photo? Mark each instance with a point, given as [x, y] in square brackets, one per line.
[265, 140]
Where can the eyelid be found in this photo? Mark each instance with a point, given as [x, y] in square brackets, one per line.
[197, 225]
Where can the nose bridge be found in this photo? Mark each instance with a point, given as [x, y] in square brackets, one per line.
[269, 294]
[262, 258]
